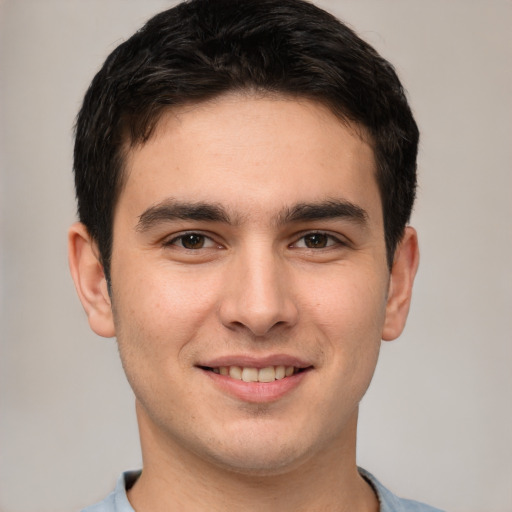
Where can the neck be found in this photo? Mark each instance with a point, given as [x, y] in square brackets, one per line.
[173, 478]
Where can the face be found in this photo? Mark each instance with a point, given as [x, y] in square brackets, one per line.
[250, 287]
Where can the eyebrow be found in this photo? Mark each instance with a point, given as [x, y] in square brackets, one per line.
[171, 209]
[331, 209]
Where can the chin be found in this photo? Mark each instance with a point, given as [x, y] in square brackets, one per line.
[261, 452]
[255, 462]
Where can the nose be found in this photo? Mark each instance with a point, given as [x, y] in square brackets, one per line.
[258, 295]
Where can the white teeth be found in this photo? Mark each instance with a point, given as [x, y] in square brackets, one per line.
[267, 374]
[235, 372]
[248, 374]
[280, 372]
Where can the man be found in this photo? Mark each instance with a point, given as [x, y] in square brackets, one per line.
[245, 172]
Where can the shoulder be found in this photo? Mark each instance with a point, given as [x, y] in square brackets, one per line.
[117, 500]
[392, 503]
[107, 505]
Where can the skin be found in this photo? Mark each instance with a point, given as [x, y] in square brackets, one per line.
[257, 283]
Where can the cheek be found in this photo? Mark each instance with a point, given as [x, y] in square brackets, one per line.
[347, 305]
[349, 313]
[157, 314]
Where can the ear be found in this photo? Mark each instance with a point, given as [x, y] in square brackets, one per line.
[401, 280]
[91, 285]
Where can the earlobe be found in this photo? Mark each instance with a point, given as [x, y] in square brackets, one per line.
[91, 285]
[402, 276]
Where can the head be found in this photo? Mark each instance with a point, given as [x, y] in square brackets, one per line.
[245, 171]
[202, 49]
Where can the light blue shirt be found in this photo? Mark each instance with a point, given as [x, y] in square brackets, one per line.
[117, 501]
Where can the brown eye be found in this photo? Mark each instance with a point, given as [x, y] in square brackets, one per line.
[192, 241]
[316, 241]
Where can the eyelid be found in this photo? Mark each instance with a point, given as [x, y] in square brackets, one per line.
[338, 239]
[175, 237]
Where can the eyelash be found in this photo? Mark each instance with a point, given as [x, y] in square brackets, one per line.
[330, 241]
[181, 238]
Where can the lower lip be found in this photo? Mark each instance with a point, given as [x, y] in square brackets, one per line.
[257, 392]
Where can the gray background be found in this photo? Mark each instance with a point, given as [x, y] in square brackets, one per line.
[437, 422]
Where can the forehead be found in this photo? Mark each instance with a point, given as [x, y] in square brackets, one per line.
[251, 152]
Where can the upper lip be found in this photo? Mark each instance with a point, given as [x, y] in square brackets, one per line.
[248, 361]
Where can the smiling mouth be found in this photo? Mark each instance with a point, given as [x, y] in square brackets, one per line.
[248, 374]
